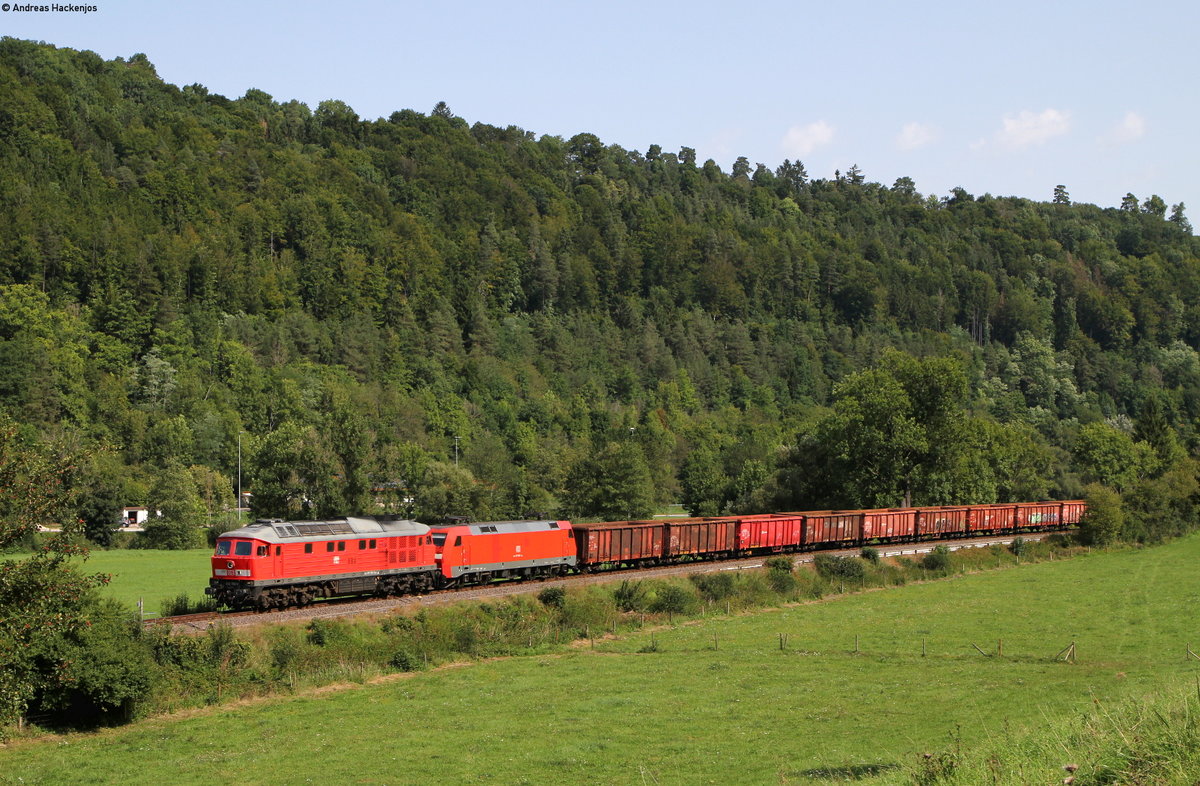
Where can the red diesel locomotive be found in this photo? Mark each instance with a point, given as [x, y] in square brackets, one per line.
[276, 564]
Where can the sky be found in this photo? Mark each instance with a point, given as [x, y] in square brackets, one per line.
[1006, 98]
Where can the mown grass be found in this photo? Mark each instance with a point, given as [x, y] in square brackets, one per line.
[717, 700]
[151, 575]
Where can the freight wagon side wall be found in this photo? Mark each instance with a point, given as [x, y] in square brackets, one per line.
[775, 533]
[888, 524]
[1034, 515]
[618, 542]
[700, 538]
[832, 528]
[941, 521]
[1072, 510]
[981, 518]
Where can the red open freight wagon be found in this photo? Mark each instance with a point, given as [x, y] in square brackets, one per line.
[770, 533]
[619, 542]
[940, 521]
[711, 537]
[991, 518]
[888, 524]
[832, 526]
[1038, 515]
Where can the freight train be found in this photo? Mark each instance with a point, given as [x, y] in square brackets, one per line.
[275, 564]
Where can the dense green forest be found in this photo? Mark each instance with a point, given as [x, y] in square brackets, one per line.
[420, 315]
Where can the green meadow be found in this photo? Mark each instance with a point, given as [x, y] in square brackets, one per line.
[780, 696]
[151, 575]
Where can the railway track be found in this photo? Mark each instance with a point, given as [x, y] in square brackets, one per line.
[199, 623]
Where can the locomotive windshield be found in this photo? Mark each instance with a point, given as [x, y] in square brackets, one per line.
[223, 547]
[439, 539]
[243, 548]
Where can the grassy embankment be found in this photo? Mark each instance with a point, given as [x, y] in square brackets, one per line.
[717, 701]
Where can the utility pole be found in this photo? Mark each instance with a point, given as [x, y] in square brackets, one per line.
[238, 507]
[456, 452]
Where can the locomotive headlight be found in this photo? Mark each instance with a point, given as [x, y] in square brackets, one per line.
[229, 563]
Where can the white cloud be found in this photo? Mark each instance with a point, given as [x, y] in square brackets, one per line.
[722, 144]
[1027, 128]
[1130, 129]
[802, 140]
[915, 135]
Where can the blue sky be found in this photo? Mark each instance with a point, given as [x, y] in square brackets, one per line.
[1005, 98]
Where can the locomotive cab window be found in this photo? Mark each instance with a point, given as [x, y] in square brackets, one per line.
[261, 551]
[243, 548]
[278, 550]
[458, 541]
[223, 547]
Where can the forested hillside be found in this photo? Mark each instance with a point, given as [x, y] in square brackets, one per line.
[421, 315]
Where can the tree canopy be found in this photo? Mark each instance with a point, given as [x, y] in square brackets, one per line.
[420, 314]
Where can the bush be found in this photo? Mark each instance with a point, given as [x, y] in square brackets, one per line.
[630, 596]
[109, 673]
[937, 560]
[173, 535]
[326, 632]
[592, 609]
[406, 661]
[870, 554]
[1019, 546]
[1104, 521]
[673, 599]
[844, 568]
[285, 648]
[786, 564]
[782, 581]
[552, 597]
[713, 586]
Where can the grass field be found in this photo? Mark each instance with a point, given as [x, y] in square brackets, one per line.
[716, 701]
[151, 575]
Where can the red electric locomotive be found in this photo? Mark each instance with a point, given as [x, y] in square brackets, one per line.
[275, 564]
[478, 553]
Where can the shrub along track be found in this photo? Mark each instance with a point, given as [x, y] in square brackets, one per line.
[348, 607]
